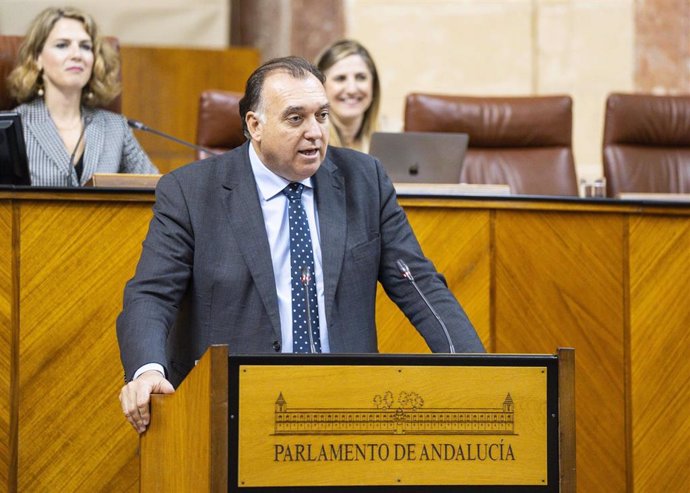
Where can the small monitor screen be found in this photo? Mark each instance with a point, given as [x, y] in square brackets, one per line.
[14, 165]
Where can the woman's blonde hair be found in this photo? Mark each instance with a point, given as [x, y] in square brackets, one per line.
[26, 78]
[332, 55]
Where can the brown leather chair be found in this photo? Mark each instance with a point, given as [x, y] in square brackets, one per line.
[524, 142]
[9, 50]
[219, 127]
[647, 144]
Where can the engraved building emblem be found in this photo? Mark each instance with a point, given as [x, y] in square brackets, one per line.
[405, 415]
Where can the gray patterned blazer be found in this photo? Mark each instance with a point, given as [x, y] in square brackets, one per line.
[110, 147]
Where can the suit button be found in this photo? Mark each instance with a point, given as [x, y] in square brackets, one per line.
[276, 346]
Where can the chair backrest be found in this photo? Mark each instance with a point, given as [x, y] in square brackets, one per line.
[647, 144]
[9, 50]
[219, 127]
[524, 142]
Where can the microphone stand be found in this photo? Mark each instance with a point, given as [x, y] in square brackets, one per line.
[87, 120]
[140, 126]
[305, 278]
[405, 272]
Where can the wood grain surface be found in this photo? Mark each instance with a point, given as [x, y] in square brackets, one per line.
[161, 88]
[74, 261]
[459, 245]
[559, 282]
[190, 427]
[659, 367]
[7, 350]
[610, 280]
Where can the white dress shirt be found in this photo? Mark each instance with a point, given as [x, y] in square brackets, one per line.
[274, 206]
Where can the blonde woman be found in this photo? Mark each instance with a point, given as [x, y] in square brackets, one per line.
[354, 93]
[64, 73]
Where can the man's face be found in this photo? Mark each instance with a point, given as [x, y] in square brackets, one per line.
[290, 129]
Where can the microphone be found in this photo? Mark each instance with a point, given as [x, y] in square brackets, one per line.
[406, 274]
[87, 120]
[305, 279]
[140, 126]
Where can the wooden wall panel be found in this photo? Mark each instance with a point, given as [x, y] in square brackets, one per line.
[459, 246]
[6, 344]
[161, 88]
[75, 261]
[559, 282]
[660, 338]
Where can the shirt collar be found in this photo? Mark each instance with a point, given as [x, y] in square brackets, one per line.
[267, 182]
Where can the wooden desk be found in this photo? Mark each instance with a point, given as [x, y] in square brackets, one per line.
[65, 258]
[608, 278]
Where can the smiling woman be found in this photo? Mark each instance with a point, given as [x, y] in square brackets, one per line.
[354, 93]
[65, 71]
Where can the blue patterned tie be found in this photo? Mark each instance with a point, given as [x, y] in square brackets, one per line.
[301, 256]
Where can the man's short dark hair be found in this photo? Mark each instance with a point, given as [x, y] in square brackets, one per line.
[297, 67]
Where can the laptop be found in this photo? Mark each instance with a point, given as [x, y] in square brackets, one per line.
[420, 157]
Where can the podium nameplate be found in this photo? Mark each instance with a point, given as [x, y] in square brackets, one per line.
[393, 422]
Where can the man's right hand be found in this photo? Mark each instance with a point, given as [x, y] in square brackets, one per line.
[136, 395]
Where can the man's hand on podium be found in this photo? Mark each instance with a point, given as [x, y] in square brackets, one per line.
[136, 395]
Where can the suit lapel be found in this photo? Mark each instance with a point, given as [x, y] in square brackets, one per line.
[47, 137]
[329, 189]
[245, 216]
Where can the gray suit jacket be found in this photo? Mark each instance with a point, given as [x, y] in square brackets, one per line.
[205, 275]
[110, 147]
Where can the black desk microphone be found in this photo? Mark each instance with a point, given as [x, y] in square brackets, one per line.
[405, 272]
[140, 126]
[87, 120]
[305, 279]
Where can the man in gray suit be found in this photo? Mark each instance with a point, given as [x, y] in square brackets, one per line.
[216, 265]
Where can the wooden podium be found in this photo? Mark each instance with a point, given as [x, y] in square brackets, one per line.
[336, 423]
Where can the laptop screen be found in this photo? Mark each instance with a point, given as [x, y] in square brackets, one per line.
[420, 157]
